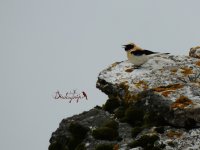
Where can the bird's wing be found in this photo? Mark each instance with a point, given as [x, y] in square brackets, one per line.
[147, 52]
[142, 52]
[150, 52]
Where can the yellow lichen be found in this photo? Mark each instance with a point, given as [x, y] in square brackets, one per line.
[173, 134]
[129, 70]
[115, 64]
[174, 70]
[168, 87]
[124, 85]
[198, 63]
[116, 147]
[166, 93]
[181, 102]
[112, 65]
[142, 84]
[166, 90]
[127, 96]
[187, 71]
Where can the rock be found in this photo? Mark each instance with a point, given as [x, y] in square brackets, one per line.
[155, 107]
[169, 85]
[167, 137]
[92, 120]
[195, 52]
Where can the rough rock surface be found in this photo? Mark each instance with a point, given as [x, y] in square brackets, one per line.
[91, 119]
[173, 82]
[195, 52]
[172, 138]
[154, 107]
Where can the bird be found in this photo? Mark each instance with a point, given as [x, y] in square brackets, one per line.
[138, 56]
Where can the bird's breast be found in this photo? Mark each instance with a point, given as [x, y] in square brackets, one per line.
[137, 60]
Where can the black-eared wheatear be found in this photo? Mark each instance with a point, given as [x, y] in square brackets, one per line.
[137, 55]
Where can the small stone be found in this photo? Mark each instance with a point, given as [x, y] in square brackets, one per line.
[195, 52]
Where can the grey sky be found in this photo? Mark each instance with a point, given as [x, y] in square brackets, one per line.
[48, 45]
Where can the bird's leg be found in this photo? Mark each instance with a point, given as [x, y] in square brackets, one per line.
[136, 67]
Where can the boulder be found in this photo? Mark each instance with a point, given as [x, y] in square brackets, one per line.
[167, 84]
[154, 107]
[76, 133]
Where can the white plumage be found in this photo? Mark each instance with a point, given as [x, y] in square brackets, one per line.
[137, 55]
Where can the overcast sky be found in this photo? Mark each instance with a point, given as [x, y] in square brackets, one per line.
[50, 45]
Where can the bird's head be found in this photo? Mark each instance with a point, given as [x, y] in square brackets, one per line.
[130, 47]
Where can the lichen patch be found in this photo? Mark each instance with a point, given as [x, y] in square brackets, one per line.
[181, 102]
[174, 70]
[173, 134]
[112, 66]
[124, 85]
[127, 96]
[167, 77]
[129, 70]
[168, 87]
[167, 93]
[186, 71]
[142, 84]
[197, 63]
[116, 147]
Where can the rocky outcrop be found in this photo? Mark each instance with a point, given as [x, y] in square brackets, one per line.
[102, 129]
[171, 83]
[95, 130]
[154, 107]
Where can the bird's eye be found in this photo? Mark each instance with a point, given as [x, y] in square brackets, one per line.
[129, 47]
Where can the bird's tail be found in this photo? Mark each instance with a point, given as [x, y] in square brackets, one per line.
[158, 54]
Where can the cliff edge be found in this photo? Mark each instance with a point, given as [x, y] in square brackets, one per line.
[153, 107]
